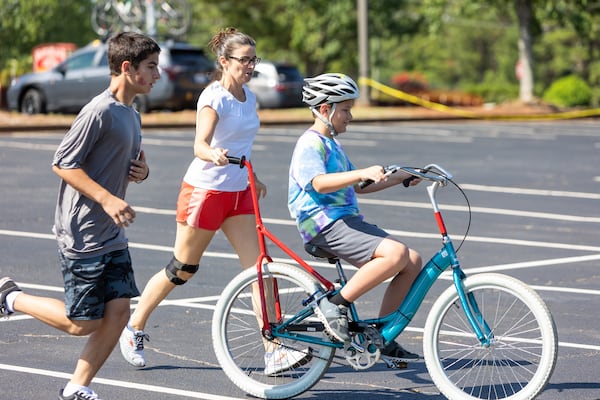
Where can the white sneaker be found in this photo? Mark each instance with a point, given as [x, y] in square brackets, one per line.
[79, 395]
[132, 346]
[282, 359]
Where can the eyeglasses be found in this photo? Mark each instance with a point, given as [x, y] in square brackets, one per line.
[246, 61]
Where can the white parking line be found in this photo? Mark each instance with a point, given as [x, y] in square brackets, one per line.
[530, 192]
[118, 383]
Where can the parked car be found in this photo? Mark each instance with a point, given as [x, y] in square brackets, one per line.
[277, 85]
[185, 71]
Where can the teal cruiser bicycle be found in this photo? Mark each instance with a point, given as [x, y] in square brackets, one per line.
[487, 336]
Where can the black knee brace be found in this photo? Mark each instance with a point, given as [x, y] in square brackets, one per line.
[174, 266]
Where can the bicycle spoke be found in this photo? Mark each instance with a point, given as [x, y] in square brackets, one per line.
[517, 358]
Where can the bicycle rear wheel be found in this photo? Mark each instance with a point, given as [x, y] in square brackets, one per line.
[240, 346]
[521, 358]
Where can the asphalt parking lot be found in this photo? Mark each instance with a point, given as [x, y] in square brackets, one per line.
[534, 192]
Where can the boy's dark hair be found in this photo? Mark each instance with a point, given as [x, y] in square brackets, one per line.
[129, 46]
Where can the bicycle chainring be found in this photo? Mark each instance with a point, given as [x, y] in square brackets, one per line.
[366, 352]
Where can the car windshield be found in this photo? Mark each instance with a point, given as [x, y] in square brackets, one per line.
[84, 60]
[190, 58]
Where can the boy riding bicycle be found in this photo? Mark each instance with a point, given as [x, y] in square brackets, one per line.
[322, 198]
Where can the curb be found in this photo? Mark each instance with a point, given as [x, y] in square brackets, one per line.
[281, 117]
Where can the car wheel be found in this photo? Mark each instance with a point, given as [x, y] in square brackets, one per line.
[33, 102]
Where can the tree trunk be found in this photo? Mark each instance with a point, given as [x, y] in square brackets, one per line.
[524, 10]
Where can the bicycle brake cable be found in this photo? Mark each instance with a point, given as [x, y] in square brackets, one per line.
[464, 238]
[469, 213]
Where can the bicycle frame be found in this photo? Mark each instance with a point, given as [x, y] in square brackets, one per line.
[393, 324]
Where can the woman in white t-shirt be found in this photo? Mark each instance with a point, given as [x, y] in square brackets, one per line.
[214, 194]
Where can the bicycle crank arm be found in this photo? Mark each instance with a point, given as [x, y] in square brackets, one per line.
[394, 364]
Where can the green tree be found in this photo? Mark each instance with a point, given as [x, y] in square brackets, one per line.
[577, 24]
[315, 34]
[455, 44]
[27, 23]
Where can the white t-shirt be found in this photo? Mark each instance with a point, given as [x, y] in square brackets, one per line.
[235, 131]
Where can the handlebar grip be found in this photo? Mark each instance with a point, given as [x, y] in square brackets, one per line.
[366, 183]
[237, 160]
[405, 182]
[408, 180]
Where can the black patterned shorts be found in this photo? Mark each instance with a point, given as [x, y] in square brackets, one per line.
[92, 282]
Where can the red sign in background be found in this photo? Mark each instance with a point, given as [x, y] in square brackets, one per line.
[49, 55]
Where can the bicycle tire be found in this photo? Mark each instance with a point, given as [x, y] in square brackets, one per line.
[240, 346]
[520, 361]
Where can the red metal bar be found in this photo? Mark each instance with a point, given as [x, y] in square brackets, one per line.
[440, 222]
[263, 232]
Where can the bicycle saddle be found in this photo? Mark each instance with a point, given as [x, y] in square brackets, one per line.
[320, 253]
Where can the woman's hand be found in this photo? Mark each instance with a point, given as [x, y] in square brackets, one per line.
[261, 188]
[218, 156]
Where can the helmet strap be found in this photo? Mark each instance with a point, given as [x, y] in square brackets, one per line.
[325, 120]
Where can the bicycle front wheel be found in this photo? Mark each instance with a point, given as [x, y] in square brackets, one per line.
[521, 357]
[239, 345]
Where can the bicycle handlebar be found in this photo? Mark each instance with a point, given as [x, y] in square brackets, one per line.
[241, 161]
[431, 172]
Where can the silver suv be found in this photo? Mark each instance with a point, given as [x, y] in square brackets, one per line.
[185, 71]
[276, 85]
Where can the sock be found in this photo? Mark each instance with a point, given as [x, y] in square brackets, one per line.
[71, 388]
[338, 300]
[10, 300]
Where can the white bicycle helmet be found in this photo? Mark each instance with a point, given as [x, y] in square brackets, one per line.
[328, 89]
[331, 89]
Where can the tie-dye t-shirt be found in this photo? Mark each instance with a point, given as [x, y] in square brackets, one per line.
[314, 155]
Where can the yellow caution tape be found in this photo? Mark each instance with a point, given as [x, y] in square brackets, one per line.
[468, 114]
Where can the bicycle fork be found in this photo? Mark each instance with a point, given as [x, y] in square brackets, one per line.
[484, 333]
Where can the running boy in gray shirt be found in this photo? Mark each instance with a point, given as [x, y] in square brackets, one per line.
[96, 160]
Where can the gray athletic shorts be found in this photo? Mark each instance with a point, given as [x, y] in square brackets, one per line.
[351, 239]
[92, 282]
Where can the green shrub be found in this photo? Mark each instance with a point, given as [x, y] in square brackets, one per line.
[569, 91]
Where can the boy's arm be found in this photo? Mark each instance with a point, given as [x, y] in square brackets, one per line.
[117, 208]
[327, 183]
[391, 180]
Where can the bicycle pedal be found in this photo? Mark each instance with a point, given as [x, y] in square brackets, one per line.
[394, 364]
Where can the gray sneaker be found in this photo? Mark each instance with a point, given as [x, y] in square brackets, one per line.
[335, 319]
[7, 285]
